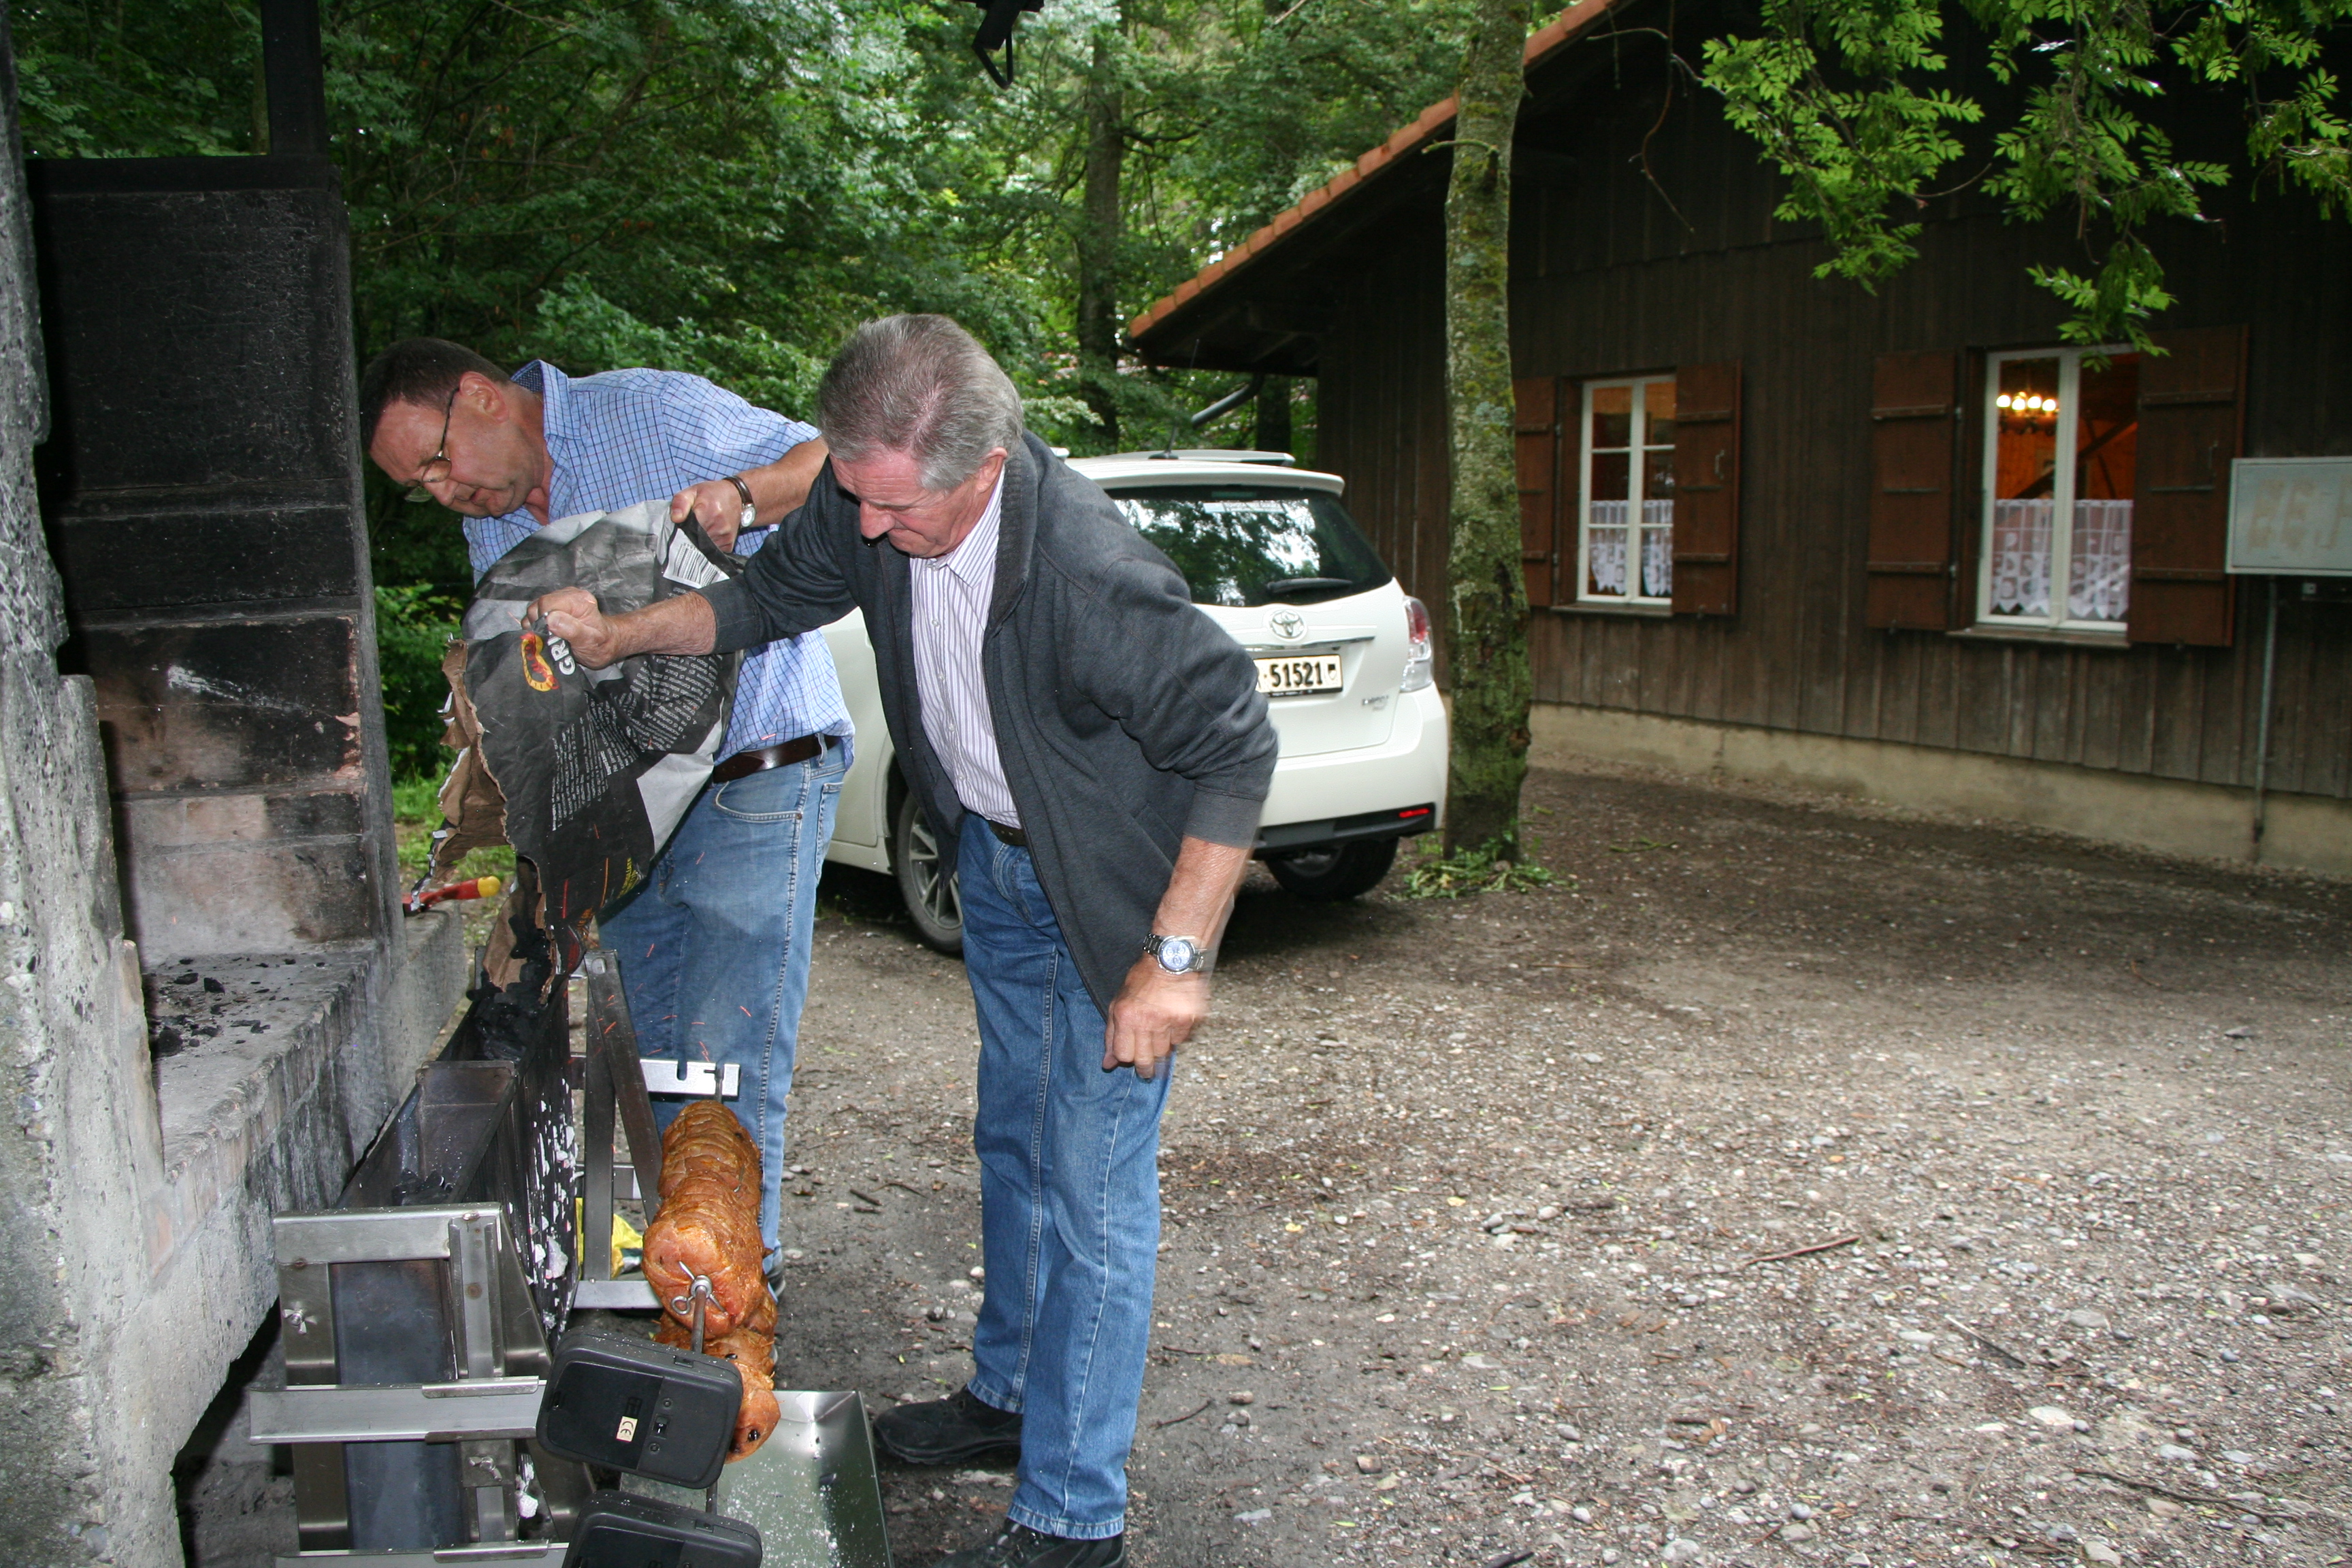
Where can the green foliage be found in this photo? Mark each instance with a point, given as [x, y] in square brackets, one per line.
[727, 186]
[416, 799]
[159, 79]
[414, 624]
[1485, 869]
[1854, 101]
[415, 847]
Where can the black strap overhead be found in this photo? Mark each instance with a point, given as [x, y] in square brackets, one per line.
[996, 33]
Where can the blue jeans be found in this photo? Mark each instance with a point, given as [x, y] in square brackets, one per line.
[714, 944]
[1069, 1203]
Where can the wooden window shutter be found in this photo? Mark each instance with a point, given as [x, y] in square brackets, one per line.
[2191, 399]
[1535, 441]
[1707, 488]
[1914, 440]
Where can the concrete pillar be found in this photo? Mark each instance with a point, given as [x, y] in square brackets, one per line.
[80, 1140]
[180, 353]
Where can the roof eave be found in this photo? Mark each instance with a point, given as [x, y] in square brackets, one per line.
[1312, 210]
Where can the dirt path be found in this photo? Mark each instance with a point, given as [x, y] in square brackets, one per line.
[1462, 1201]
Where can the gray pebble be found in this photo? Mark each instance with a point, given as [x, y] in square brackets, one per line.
[2229, 1355]
[1798, 1510]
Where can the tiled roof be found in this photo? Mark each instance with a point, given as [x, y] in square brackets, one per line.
[1431, 123]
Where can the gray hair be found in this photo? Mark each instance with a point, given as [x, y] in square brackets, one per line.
[921, 385]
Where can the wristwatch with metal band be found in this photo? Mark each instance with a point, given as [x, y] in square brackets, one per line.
[750, 516]
[1177, 954]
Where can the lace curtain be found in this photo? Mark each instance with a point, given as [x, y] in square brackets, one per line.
[1606, 547]
[2021, 557]
[2098, 578]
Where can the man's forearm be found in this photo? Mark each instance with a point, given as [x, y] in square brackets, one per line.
[1199, 895]
[681, 626]
[779, 487]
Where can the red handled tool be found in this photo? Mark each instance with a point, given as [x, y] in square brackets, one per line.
[477, 888]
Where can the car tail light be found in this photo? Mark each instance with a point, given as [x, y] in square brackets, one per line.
[1420, 651]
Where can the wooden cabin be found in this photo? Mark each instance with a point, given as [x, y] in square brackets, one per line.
[1907, 543]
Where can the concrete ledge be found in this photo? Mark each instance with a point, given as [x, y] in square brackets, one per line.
[428, 987]
[287, 1072]
[2312, 833]
[253, 1109]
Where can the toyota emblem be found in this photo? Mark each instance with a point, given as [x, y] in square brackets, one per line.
[1287, 624]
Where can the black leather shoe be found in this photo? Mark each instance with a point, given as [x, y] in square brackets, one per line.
[947, 1431]
[1018, 1546]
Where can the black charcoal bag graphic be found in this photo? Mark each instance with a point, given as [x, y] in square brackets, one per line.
[598, 766]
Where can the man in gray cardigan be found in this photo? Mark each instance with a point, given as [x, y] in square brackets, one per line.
[1097, 750]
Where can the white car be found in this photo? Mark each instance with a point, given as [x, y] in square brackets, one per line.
[1343, 656]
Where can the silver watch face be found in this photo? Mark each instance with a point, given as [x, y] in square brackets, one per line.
[748, 517]
[1177, 953]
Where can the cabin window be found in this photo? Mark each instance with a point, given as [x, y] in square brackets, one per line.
[1626, 533]
[2060, 456]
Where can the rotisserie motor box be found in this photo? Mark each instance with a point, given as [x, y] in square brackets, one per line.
[619, 1531]
[630, 1404]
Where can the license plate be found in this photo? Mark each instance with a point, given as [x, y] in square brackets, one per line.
[1298, 677]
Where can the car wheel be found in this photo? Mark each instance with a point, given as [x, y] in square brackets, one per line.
[925, 881]
[1335, 870]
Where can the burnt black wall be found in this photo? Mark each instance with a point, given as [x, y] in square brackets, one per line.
[201, 490]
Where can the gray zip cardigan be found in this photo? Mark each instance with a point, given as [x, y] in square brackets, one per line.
[1126, 720]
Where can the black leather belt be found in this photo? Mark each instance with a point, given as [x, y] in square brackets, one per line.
[743, 765]
[1013, 836]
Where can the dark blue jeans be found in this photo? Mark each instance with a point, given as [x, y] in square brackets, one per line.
[714, 945]
[1069, 1203]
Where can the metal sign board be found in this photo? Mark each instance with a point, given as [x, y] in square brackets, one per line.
[2291, 517]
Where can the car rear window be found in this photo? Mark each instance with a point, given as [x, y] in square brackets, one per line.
[1240, 545]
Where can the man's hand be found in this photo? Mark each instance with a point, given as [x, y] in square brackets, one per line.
[572, 615]
[1154, 1012]
[716, 503]
[683, 625]
[776, 488]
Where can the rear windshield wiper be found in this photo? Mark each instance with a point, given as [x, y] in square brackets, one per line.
[1282, 585]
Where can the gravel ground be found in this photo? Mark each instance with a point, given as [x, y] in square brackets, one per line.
[1471, 1206]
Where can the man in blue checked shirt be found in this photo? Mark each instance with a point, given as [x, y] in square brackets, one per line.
[714, 944]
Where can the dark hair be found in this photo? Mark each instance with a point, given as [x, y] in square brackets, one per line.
[922, 386]
[422, 370]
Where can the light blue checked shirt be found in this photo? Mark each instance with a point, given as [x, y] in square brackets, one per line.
[628, 436]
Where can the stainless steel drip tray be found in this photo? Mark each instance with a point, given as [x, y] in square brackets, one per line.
[812, 1490]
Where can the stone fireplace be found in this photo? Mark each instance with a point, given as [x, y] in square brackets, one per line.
[211, 1000]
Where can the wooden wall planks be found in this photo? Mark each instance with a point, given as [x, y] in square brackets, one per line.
[1613, 281]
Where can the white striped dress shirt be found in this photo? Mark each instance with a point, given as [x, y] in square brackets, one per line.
[953, 596]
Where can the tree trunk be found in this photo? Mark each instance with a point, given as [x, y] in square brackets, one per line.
[1100, 229]
[1486, 630]
[1274, 414]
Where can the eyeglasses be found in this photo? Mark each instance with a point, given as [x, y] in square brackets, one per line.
[435, 468]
